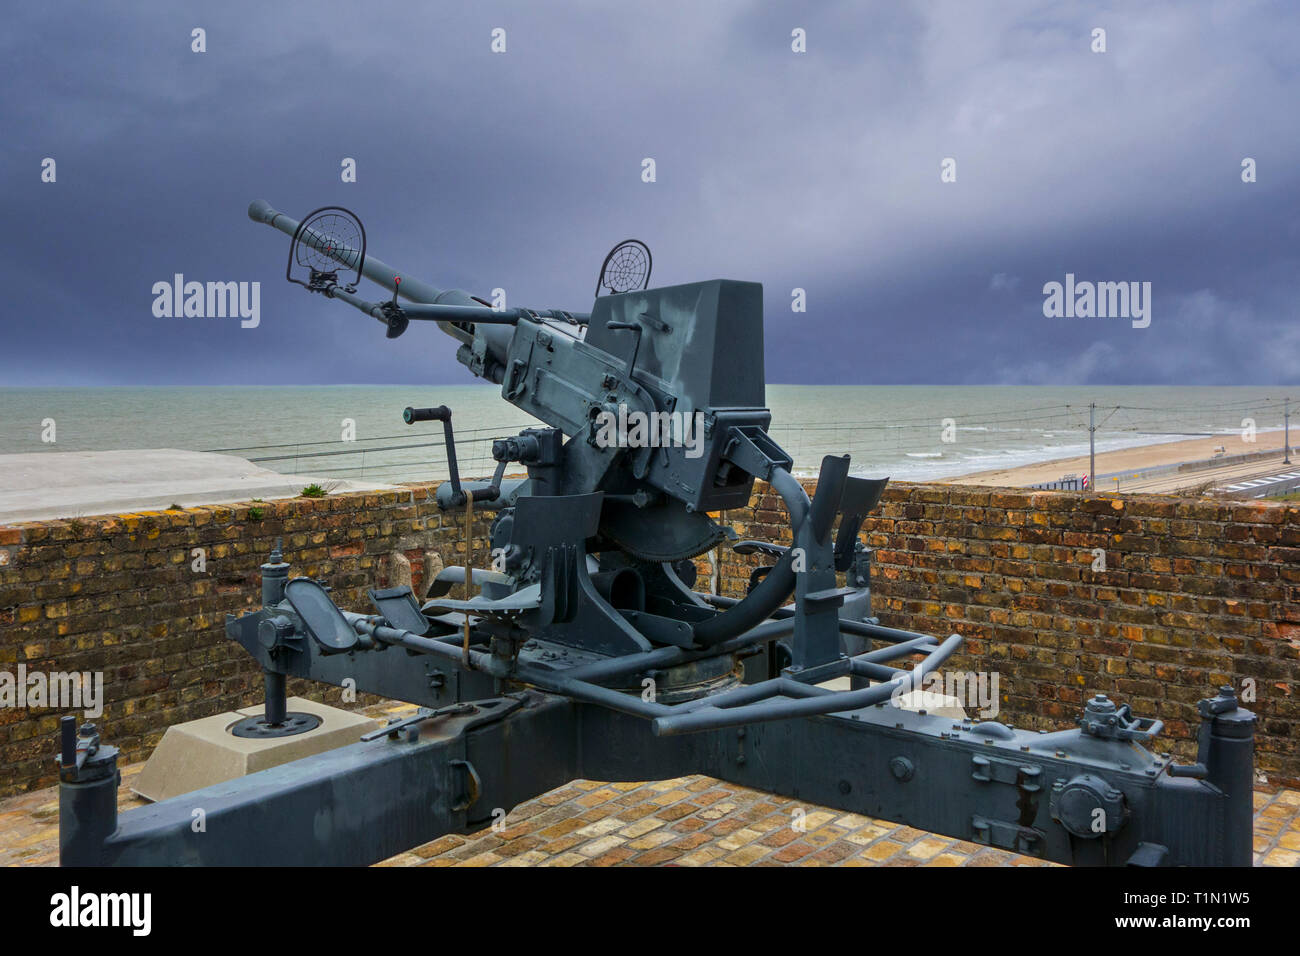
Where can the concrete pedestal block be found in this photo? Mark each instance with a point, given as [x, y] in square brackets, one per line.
[941, 705]
[200, 753]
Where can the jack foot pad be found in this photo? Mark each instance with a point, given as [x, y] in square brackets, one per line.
[257, 727]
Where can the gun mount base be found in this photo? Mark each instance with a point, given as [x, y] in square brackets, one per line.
[1068, 797]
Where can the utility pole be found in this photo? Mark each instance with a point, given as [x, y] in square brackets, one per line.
[1286, 420]
[1092, 445]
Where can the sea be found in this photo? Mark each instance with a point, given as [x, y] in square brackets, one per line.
[915, 432]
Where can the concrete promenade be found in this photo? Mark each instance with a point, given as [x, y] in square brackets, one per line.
[75, 484]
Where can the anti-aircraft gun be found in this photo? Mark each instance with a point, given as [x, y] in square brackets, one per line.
[582, 649]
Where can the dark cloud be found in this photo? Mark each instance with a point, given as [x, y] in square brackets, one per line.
[818, 171]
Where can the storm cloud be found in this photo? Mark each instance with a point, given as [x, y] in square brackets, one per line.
[817, 170]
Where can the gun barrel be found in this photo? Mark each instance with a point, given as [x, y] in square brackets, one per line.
[374, 269]
[485, 333]
[381, 273]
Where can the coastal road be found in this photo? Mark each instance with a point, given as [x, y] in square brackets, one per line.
[1265, 486]
[1163, 467]
[1218, 478]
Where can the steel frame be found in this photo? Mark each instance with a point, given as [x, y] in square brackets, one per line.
[458, 772]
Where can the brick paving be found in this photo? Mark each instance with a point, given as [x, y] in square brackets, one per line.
[688, 821]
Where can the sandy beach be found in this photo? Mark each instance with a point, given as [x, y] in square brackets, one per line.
[1133, 460]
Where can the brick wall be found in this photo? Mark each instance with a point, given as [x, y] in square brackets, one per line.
[120, 595]
[1196, 593]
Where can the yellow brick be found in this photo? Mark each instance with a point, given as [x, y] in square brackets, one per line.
[927, 848]
[1282, 858]
[596, 797]
[868, 834]
[882, 850]
[671, 796]
[823, 836]
[531, 858]
[603, 845]
[851, 821]
[651, 840]
[817, 818]
[566, 859]
[700, 857]
[739, 838]
[601, 827]
[746, 856]
[642, 827]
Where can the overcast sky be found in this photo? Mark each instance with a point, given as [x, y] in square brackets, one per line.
[818, 170]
